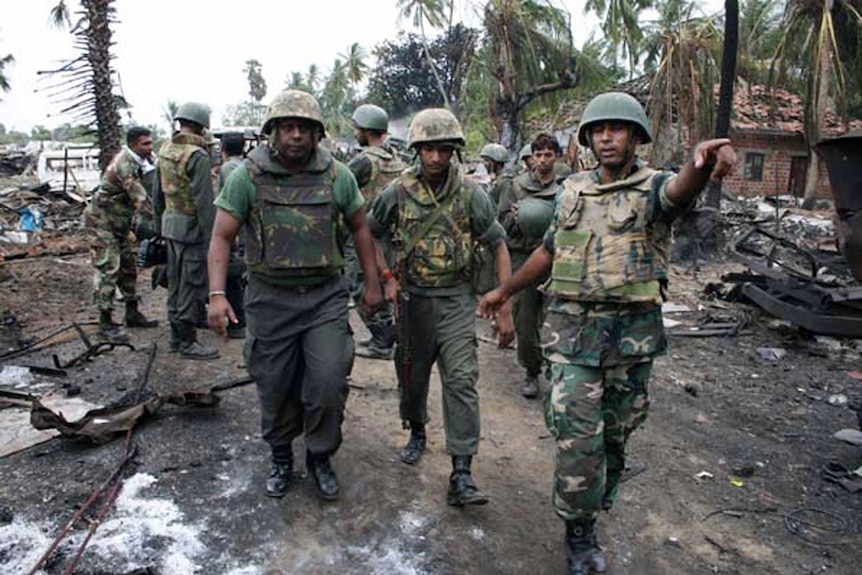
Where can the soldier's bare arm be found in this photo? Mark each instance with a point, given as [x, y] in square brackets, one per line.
[536, 266]
[372, 296]
[711, 159]
[219, 311]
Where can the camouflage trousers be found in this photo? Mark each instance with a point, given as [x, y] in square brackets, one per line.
[591, 411]
[114, 256]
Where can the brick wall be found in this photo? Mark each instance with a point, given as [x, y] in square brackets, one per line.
[778, 151]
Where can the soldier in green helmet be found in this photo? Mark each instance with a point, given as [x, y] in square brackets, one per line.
[494, 158]
[525, 230]
[289, 198]
[607, 255]
[183, 203]
[374, 168]
[525, 156]
[432, 216]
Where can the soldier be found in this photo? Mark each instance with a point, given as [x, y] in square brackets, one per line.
[494, 157]
[535, 192]
[526, 157]
[108, 220]
[232, 154]
[183, 203]
[289, 198]
[607, 254]
[432, 215]
[374, 168]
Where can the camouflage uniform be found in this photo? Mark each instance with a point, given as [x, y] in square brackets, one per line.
[374, 169]
[436, 274]
[108, 220]
[183, 202]
[299, 346]
[529, 303]
[610, 245]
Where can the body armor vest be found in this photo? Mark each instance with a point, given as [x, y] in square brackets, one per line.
[604, 248]
[385, 167]
[294, 219]
[175, 182]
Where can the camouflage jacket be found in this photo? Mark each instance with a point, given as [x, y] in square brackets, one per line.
[374, 168]
[120, 194]
[610, 245]
[184, 190]
[521, 187]
[293, 228]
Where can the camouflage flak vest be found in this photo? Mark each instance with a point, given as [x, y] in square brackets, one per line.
[385, 167]
[442, 257]
[294, 220]
[175, 182]
[604, 249]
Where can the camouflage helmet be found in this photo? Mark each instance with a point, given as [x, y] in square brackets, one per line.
[526, 151]
[194, 112]
[370, 117]
[534, 216]
[495, 153]
[435, 125]
[293, 104]
[613, 106]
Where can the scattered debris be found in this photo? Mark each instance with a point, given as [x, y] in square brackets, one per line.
[772, 354]
[851, 436]
[704, 475]
[837, 399]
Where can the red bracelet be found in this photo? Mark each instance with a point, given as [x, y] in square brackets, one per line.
[386, 275]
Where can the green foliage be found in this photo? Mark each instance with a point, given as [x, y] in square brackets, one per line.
[4, 82]
[40, 133]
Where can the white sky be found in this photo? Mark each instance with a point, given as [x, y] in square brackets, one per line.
[196, 49]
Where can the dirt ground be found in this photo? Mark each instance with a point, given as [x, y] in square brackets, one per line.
[192, 500]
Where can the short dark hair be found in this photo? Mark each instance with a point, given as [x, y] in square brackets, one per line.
[545, 141]
[136, 132]
[233, 143]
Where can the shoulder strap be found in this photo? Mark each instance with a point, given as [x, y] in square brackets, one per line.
[427, 225]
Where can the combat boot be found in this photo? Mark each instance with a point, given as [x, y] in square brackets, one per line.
[530, 387]
[325, 480]
[462, 490]
[280, 472]
[372, 351]
[195, 350]
[412, 452]
[585, 555]
[134, 317]
[176, 340]
[109, 332]
[381, 345]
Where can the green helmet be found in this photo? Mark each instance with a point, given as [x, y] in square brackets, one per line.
[534, 216]
[434, 125]
[293, 104]
[194, 112]
[370, 117]
[495, 153]
[613, 106]
[526, 151]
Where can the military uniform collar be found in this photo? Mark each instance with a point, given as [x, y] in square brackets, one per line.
[638, 165]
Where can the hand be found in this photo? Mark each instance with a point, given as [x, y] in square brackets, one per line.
[219, 314]
[505, 327]
[391, 290]
[718, 152]
[491, 303]
[371, 300]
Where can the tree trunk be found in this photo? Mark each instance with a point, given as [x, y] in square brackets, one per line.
[817, 112]
[433, 67]
[725, 94]
[98, 36]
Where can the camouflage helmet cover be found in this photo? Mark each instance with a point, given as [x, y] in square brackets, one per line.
[194, 112]
[526, 151]
[613, 106]
[293, 104]
[434, 125]
[370, 117]
[495, 153]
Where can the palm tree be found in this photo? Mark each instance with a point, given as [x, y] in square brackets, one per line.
[530, 56]
[620, 25]
[312, 78]
[334, 97]
[759, 34]
[433, 12]
[830, 31]
[4, 81]
[354, 61]
[89, 77]
[169, 111]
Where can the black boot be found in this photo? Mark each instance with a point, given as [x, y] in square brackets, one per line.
[585, 555]
[134, 317]
[280, 473]
[190, 348]
[462, 490]
[325, 480]
[109, 332]
[412, 452]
